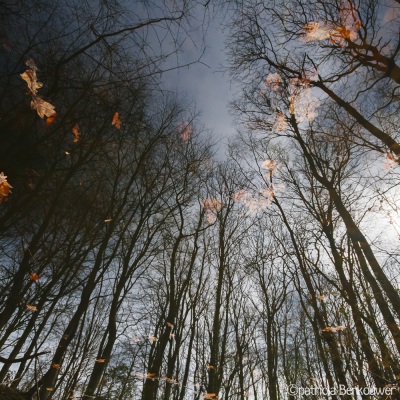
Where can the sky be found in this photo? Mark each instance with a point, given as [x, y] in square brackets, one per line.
[205, 85]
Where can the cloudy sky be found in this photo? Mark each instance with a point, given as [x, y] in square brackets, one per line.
[205, 84]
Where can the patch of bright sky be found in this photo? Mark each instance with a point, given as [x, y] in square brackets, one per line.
[204, 85]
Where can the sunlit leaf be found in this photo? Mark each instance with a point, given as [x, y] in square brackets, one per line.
[273, 81]
[280, 123]
[171, 381]
[5, 188]
[151, 338]
[43, 108]
[30, 77]
[55, 366]
[32, 308]
[391, 161]
[254, 202]
[270, 165]
[334, 328]
[212, 204]
[76, 132]
[185, 130]
[34, 276]
[101, 360]
[316, 31]
[51, 119]
[339, 32]
[304, 105]
[349, 24]
[108, 220]
[116, 121]
[340, 328]
[152, 376]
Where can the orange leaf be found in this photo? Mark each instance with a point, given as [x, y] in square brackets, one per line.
[33, 308]
[171, 381]
[5, 187]
[152, 376]
[76, 132]
[51, 119]
[55, 366]
[101, 360]
[185, 130]
[116, 121]
[334, 328]
[34, 276]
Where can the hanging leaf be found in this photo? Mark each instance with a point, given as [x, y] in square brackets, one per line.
[51, 119]
[280, 123]
[273, 81]
[76, 132]
[30, 77]
[334, 328]
[5, 188]
[116, 121]
[185, 130]
[271, 165]
[171, 381]
[151, 338]
[34, 276]
[43, 108]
